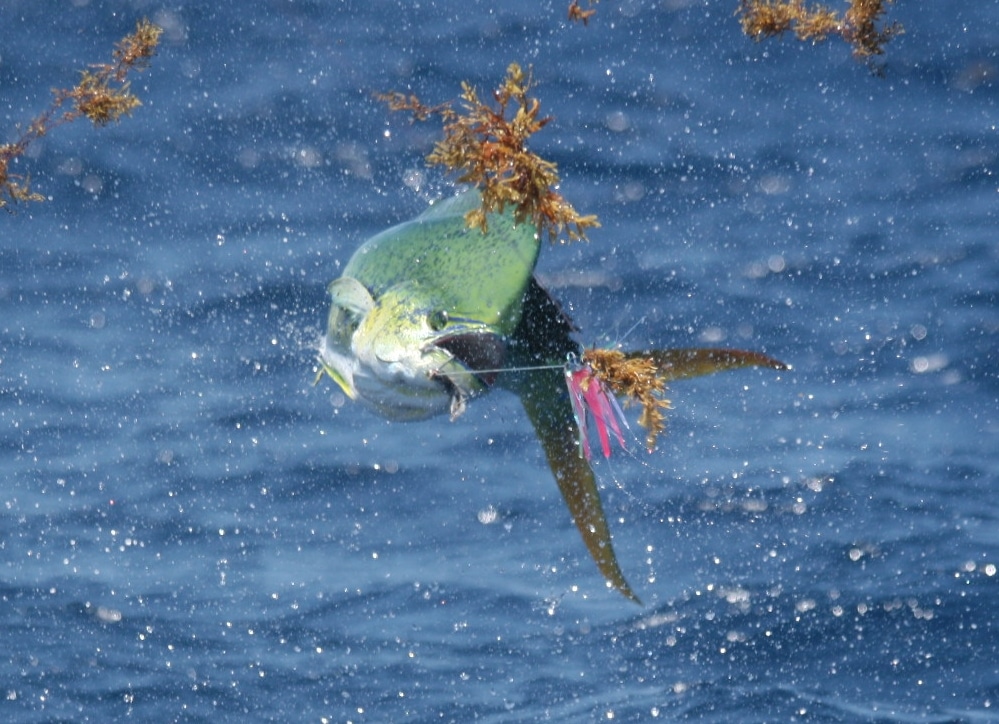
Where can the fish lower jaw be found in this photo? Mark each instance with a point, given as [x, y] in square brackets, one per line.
[402, 397]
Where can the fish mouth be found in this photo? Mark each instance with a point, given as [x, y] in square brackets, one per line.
[481, 353]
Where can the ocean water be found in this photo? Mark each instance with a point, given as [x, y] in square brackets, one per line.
[191, 531]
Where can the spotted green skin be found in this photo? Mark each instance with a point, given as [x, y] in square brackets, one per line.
[470, 274]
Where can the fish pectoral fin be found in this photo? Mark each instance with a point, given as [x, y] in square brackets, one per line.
[349, 294]
[342, 382]
[678, 364]
[551, 415]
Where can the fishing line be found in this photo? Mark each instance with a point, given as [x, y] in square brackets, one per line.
[620, 340]
[529, 368]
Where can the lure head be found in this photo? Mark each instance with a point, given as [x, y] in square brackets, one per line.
[419, 321]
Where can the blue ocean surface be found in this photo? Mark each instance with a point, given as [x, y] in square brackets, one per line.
[191, 531]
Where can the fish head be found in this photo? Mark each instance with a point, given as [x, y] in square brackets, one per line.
[406, 354]
[421, 317]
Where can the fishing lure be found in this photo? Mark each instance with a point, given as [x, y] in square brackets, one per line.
[591, 398]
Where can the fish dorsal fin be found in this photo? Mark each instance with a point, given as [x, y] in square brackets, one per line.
[349, 294]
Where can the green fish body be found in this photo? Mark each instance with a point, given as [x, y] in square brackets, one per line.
[422, 316]
[429, 314]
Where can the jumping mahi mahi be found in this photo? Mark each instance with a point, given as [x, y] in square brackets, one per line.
[430, 313]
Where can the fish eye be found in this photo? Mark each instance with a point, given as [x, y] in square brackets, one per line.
[437, 320]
